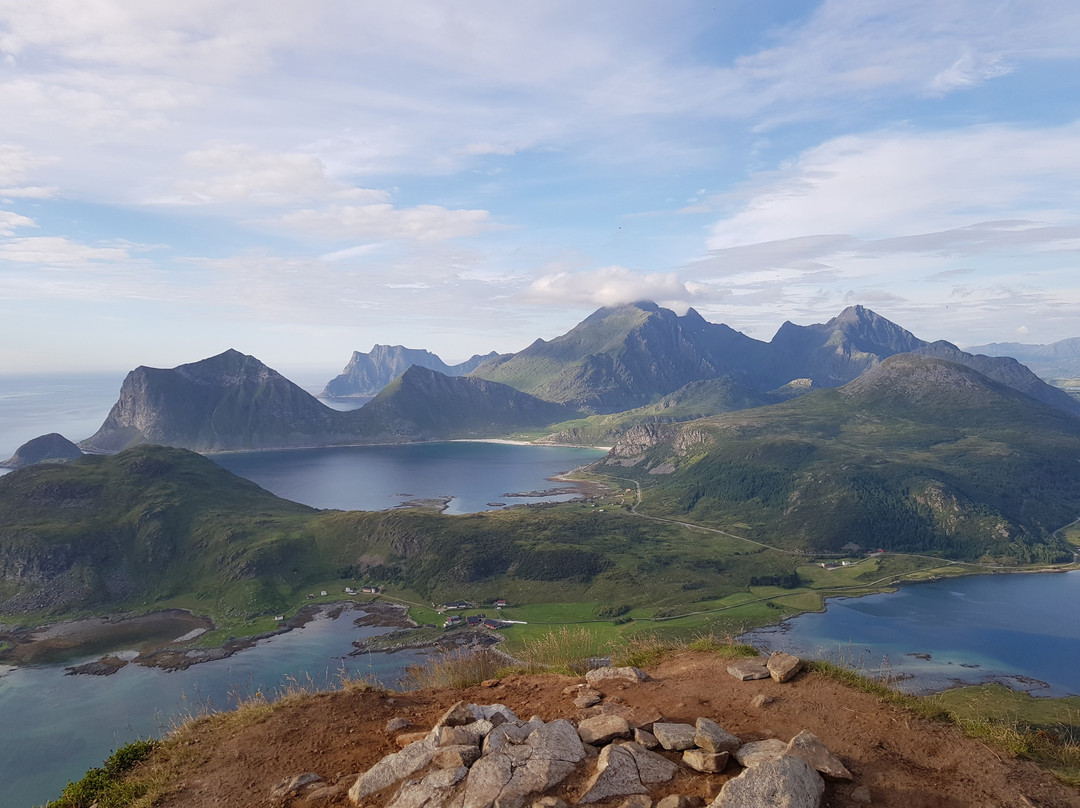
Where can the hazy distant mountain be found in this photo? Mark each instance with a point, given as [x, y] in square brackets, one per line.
[43, 449]
[367, 374]
[918, 454]
[233, 401]
[1058, 360]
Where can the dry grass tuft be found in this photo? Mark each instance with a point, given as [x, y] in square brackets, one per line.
[457, 669]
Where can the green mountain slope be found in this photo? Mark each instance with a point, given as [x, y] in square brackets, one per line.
[918, 454]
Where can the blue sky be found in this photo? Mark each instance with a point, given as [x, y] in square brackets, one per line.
[298, 181]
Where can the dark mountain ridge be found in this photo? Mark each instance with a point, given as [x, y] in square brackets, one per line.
[234, 402]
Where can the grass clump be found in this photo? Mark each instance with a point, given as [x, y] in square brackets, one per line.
[106, 786]
[566, 650]
[457, 669]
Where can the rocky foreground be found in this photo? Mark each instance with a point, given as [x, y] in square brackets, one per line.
[694, 730]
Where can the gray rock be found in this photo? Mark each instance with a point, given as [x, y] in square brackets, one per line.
[600, 676]
[751, 668]
[674, 736]
[471, 733]
[397, 724]
[705, 761]
[603, 729]
[645, 738]
[652, 768]
[392, 768]
[432, 791]
[549, 802]
[453, 757]
[757, 752]
[810, 748]
[458, 715]
[587, 697]
[509, 733]
[712, 737]
[491, 712]
[785, 782]
[861, 795]
[783, 667]
[294, 785]
[616, 776]
[762, 700]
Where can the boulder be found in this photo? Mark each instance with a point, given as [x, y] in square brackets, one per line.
[392, 768]
[603, 729]
[783, 667]
[785, 782]
[809, 747]
[587, 697]
[457, 716]
[397, 724]
[711, 737]
[598, 677]
[645, 738]
[704, 761]
[453, 757]
[674, 736]
[616, 776]
[652, 768]
[430, 792]
[758, 752]
[747, 669]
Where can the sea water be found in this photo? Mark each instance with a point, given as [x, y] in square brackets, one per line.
[1017, 629]
[56, 726]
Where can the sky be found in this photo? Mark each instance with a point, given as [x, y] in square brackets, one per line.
[301, 181]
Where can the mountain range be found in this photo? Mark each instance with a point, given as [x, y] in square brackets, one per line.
[628, 359]
[1058, 360]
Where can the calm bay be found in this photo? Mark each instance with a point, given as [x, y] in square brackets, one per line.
[1020, 630]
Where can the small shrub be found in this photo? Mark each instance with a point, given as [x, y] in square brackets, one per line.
[105, 786]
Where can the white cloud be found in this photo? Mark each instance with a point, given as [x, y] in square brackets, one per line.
[893, 184]
[10, 221]
[55, 251]
[384, 221]
[612, 286]
[240, 173]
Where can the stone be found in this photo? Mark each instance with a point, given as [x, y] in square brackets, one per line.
[810, 748]
[637, 801]
[492, 713]
[758, 752]
[762, 700]
[681, 801]
[785, 782]
[747, 669]
[457, 716]
[861, 795]
[471, 733]
[509, 733]
[652, 768]
[783, 667]
[397, 725]
[705, 761]
[294, 785]
[587, 698]
[603, 729]
[452, 757]
[490, 683]
[550, 802]
[430, 792]
[674, 736]
[645, 738]
[392, 768]
[600, 676]
[712, 737]
[616, 776]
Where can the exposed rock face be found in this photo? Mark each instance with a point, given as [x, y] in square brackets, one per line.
[43, 449]
[233, 401]
[367, 374]
[785, 782]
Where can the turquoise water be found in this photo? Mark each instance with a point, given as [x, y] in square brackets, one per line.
[55, 726]
[1021, 630]
[372, 478]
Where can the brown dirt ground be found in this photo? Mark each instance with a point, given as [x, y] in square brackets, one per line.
[905, 761]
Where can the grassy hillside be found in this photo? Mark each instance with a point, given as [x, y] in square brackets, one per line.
[919, 455]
